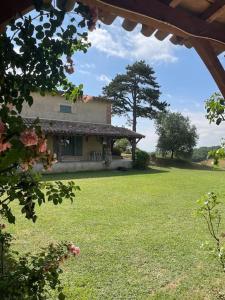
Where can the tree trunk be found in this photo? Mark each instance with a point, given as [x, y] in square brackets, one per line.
[134, 125]
[172, 154]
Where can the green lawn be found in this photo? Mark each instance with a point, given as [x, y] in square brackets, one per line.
[138, 235]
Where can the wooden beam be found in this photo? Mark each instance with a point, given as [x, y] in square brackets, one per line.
[210, 15]
[11, 8]
[175, 3]
[129, 25]
[107, 18]
[213, 11]
[161, 35]
[156, 14]
[209, 57]
[147, 30]
[176, 40]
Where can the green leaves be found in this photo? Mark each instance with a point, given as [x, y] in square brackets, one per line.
[177, 136]
[215, 107]
[209, 210]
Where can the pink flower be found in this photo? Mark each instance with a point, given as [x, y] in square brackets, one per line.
[29, 137]
[4, 146]
[42, 146]
[73, 249]
[2, 127]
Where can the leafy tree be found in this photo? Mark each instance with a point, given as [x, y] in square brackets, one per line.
[215, 107]
[201, 153]
[135, 94]
[122, 144]
[176, 135]
[36, 53]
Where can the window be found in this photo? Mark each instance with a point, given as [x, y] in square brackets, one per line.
[65, 109]
[72, 146]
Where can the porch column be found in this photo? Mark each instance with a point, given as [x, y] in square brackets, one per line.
[58, 148]
[133, 144]
[108, 152]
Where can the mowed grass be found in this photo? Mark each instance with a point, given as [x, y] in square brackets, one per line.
[137, 232]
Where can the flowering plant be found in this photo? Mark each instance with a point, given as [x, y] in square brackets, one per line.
[33, 48]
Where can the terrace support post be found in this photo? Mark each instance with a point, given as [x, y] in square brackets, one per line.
[108, 152]
[58, 148]
[210, 59]
[133, 143]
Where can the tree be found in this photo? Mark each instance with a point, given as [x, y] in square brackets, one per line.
[122, 144]
[201, 153]
[135, 94]
[36, 53]
[176, 135]
[215, 107]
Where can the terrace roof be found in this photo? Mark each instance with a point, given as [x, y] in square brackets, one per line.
[89, 129]
[192, 23]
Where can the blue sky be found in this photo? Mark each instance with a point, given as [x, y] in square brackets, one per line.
[185, 82]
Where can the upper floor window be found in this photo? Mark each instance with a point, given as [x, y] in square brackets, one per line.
[65, 109]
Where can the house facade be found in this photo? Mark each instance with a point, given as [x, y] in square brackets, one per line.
[79, 133]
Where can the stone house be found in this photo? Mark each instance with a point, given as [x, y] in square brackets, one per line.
[79, 133]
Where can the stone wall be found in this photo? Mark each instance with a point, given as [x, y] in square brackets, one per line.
[48, 107]
[66, 167]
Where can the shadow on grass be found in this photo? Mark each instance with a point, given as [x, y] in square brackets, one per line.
[100, 174]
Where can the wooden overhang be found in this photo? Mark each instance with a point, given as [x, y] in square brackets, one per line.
[68, 128]
[192, 23]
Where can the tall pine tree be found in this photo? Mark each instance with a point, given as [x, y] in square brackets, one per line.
[135, 94]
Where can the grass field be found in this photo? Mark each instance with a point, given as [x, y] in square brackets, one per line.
[138, 235]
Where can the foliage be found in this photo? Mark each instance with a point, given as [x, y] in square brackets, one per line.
[153, 156]
[201, 153]
[142, 159]
[217, 154]
[116, 151]
[215, 107]
[36, 53]
[208, 209]
[31, 276]
[123, 145]
[176, 135]
[135, 94]
[32, 50]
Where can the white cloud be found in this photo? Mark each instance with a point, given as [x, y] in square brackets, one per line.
[209, 134]
[104, 78]
[84, 72]
[115, 41]
[88, 66]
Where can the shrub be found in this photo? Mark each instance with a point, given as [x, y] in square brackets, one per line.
[210, 211]
[153, 156]
[142, 159]
[32, 275]
[116, 151]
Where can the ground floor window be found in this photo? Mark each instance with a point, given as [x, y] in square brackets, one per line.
[72, 146]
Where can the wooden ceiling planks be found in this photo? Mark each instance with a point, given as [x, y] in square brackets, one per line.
[213, 11]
